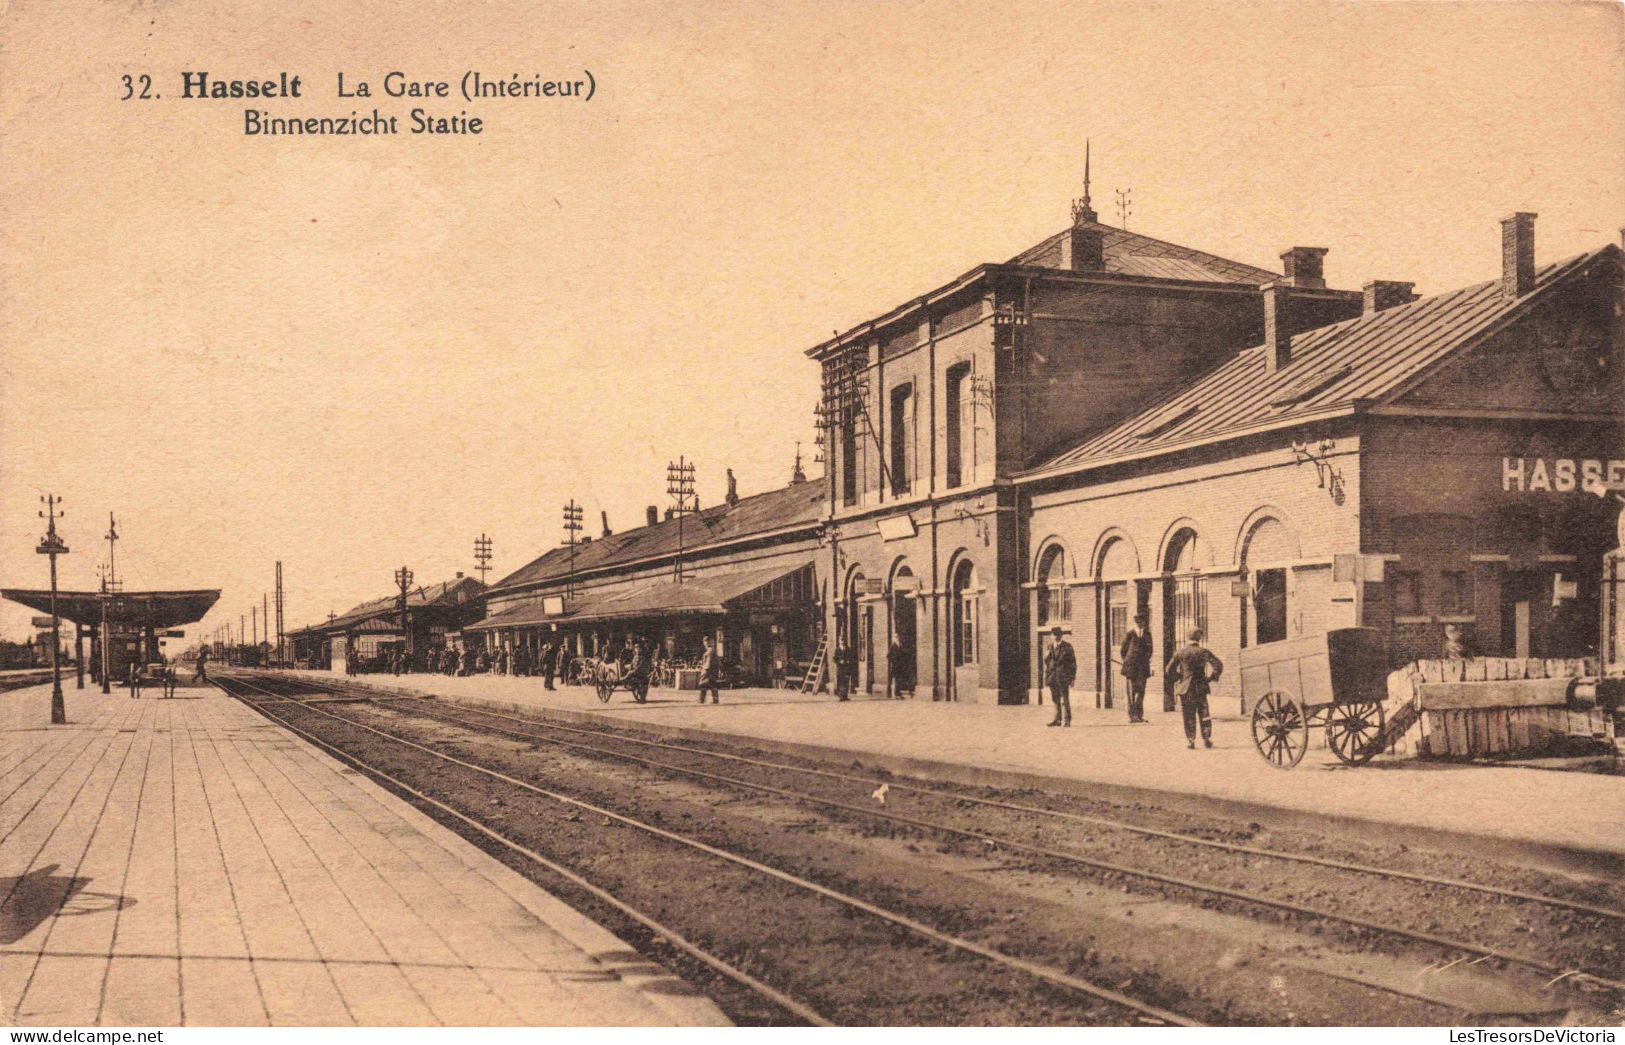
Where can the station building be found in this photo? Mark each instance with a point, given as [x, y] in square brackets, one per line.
[436, 616]
[1454, 460]
[744, 572]
[932, 410]
[1110, 423]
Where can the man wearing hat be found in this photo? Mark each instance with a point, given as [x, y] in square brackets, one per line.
[1188, 672]
[1060, 668]
[1135, 653]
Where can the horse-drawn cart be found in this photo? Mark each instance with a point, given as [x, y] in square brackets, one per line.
[1337, 679]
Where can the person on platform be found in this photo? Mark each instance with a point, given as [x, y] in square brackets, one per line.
[896, 681]
[843, 676]
[1060, 669]
[201, 674]
[468, 660]
[711, 672]
[1135, 654]
[521, 660]
[1192, 672]
[544, 663]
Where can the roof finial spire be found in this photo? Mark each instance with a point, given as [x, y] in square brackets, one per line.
[1081, 210]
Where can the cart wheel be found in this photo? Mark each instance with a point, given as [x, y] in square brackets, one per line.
[1354, 731]
[604, 690]
[1280, 729]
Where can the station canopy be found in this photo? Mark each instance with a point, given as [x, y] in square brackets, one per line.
[125, 609]
[787, 585]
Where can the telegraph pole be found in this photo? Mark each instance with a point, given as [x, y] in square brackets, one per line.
[280, 653]
[680, 485]
[109, 587]
[403, 578]
[52, 545]
[482, 555]
[572, 526]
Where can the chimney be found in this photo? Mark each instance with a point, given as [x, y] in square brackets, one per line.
[1277, 327]
[605, 517]
[651, 515]
[1305, 267]
[1386, 293]
[1083, 249]
[459, 574]
[1517, 255]
[587, 539]
[669, 513]
[733, 490]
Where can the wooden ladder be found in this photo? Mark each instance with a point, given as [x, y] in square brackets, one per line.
[814, 678]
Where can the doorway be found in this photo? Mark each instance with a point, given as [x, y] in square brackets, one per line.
[905, 630]
[1269, 602]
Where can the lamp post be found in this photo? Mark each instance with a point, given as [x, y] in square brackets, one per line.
[52, 545]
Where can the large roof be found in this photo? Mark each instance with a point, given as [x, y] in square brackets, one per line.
[706, 594]
[1332, 367]
[427, 595]
[143, 609]
[788, 507]
[1131, 254]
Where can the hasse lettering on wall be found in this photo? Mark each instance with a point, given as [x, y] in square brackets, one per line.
[1561, 475]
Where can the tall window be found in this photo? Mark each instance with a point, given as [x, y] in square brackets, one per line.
[953, 417]
[1187, 596]
[849, 455]
[964, 614]
[1054, 597]
[902, 434]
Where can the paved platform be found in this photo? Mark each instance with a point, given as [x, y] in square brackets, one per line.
[186, 862]
[1550, 814]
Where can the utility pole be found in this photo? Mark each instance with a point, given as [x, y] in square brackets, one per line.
[403, 578]
[1125, 207]
[482, 555]
[52, 545]
[680, 485]
[281, 654]
[109, 587]
[572, 526]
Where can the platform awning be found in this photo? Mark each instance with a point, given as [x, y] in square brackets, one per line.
[126, 609]
[787, 585]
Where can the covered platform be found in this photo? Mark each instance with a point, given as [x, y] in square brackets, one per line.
[763, 617]
[125, 624]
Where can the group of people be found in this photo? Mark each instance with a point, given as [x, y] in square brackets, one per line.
[899, 671]
[549, 661]
[1191, 672]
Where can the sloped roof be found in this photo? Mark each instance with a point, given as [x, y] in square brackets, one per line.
[798, 505]
[1131, 254]
[709, 593]
[1332, 367]
[427, 595]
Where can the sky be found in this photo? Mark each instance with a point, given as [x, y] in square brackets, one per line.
[350, 354]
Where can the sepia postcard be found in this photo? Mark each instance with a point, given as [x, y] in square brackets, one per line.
[784, 513]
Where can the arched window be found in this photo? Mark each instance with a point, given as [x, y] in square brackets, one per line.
[964, 611]
[1186, 595]
[1269, 545]
[1054, 597]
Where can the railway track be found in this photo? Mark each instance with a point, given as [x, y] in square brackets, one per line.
[610, 745]
[1052, 976]
[1467, 948]
[440, 709]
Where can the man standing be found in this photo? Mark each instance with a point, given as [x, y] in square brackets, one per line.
[1060, 668]
[1136, 657]
[545, 666]
[710, 672]
[1188, 673]
[202, 672]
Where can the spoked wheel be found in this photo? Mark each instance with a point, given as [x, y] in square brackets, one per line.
[605, 688]
[1354, 731]
[1280, 729]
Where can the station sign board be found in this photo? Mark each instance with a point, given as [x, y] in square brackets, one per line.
[42, 622]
